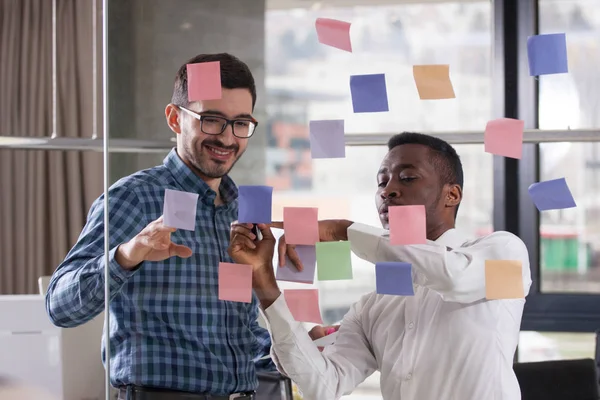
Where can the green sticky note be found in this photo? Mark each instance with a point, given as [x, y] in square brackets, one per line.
[333, 261]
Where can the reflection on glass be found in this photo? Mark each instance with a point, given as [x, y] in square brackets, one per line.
[547, 346]
[308, 81]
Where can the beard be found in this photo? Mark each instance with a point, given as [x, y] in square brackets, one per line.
[208, 166]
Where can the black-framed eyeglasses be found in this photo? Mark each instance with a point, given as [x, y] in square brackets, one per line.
[242, 128]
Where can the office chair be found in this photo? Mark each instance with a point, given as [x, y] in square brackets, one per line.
[558, 380]
[274, 386]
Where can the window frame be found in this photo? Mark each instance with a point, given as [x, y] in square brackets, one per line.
[517, 96]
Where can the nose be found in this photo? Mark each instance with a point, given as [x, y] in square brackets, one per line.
[390, 192]
[227, 137]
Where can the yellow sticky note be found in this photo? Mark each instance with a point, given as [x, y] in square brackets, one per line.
[433, 82]
[503, 279]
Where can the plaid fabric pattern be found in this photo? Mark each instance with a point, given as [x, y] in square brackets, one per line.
[168, 327]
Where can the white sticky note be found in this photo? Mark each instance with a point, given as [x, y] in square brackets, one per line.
[326, 340]
[179, 209]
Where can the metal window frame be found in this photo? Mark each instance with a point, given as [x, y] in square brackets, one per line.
[517, 97]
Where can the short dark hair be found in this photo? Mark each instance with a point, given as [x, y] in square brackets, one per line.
[235, 74]
[443, 156]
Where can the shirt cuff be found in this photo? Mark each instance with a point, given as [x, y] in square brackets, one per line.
[279, 317]
[118, 275]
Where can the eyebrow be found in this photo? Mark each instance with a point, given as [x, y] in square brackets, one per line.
[221, 114]
[384, 170]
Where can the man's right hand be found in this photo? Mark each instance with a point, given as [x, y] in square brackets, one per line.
[153, 243]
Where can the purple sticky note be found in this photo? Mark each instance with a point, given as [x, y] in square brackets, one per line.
[327, 139]
[255, 204]
[179, 209]
[394, 278]
[369, 93]
[289, 273]
[551, 195]
[547, 54]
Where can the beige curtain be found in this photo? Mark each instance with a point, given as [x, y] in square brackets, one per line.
[44, 195]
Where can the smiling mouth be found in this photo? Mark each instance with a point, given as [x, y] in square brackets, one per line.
[219, 153]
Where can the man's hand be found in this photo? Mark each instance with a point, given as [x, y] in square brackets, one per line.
[153, 243]
[321, 331]
[330, 230]
[244, 249]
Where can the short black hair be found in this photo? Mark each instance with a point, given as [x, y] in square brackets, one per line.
[444, 156]
[235, 74]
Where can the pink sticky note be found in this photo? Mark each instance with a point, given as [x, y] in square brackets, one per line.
[301, 225]
[504, 137]
[235, 282]
[304, 304]
[407, 225]
[204, 81]
[334, 33]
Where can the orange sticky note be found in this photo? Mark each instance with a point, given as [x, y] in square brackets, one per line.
[334, 33]
[235, 282]
[204, 81]
[433, 82]
[304, 304]
[407, 225]
[504, 137]
[301, 225]
[503, 279]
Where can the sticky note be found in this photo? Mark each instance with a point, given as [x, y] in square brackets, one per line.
[433, 82]
[369, 93]
[334, 33]
[394, 278]
[179, 209]
[235, 282]
[503, 279]
[407, 225]
[289, 273]
[304, 304]
[551, 195]
[255, 204]
[504, 137]
[547, 54]
[334, 261]
[204, 81]
[327, 139]
[301, 225]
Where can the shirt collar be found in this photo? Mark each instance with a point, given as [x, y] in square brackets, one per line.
[190, 182]
[452, 238]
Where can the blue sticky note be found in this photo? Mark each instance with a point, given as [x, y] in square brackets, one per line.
[289, 273]
[394, 278]
[369, 93]
[327, 139]
[551, 195]
[547, 54]
[255, 204]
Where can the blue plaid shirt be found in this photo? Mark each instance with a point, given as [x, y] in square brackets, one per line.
[168, 327]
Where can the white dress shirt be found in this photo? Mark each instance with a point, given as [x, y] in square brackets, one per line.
[447, 342]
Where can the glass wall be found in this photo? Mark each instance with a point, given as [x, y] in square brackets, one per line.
[308, 81]
[570, 239]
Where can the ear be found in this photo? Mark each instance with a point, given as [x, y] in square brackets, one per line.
[172, 116]
[453, 196]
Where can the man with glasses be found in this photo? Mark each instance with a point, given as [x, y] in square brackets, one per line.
[170, 335]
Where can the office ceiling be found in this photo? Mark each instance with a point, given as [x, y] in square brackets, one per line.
[287, 4]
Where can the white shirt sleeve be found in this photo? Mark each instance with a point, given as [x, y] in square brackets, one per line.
[458, 274]
[328, 375]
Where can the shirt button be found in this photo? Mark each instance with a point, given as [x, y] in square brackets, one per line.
[411, 325]
[408, 377]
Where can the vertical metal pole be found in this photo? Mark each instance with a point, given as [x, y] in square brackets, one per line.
[105, 155]
[54, 73]
[94, 69]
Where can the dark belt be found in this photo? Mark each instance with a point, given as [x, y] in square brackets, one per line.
[146, 393]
